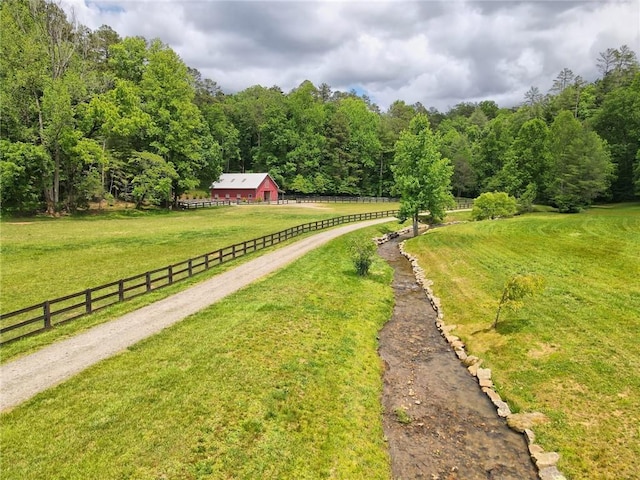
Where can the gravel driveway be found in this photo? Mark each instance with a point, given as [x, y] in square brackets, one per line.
[23, 378]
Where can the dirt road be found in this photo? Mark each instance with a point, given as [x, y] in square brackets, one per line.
[25, 377]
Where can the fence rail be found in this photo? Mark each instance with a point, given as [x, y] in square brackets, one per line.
[195, 204]
[339, 199]
[43, 316]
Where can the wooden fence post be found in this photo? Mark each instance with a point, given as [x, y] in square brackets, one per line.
[190, 268]
[170, 274]
[148, 281]
[87, 300]
[121, 291]
[47, 314]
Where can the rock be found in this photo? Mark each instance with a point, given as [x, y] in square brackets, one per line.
[461, 354]
[449, 328]
[472, 360]
[485, 382]
[503, 409]
[473, 369]
[530, 436]
[484, 373]
[546, 459]
[457, 345]
[521, 421]
[493, 395]
[550, 473]
[535, 450]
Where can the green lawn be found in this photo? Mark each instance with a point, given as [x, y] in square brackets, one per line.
[280, 380]
[45, 258]
[571, 352]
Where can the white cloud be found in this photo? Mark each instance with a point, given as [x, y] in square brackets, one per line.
[436, 52]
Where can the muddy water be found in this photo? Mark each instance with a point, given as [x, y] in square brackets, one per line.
[451, 430]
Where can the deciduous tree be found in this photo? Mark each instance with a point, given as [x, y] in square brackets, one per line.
[422, 175]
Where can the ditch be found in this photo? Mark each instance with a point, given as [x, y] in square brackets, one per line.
[438, 423]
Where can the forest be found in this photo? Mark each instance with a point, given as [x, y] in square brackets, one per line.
[89, 116]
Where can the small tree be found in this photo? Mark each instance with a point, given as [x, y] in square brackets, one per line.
[516, 289]
[362, 253]
[493, 205]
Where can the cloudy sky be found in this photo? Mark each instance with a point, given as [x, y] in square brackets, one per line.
[438, 53]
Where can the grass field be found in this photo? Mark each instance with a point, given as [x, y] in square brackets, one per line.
[46, 258]
[572, 351]
[280, 380]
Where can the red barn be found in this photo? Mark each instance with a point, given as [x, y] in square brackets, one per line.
[245, 186]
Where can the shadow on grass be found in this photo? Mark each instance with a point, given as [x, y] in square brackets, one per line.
[506, 327]
[375, 276]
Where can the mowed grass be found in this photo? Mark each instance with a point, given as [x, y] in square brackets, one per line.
[572, 351]
[280, 380]
[45, 258]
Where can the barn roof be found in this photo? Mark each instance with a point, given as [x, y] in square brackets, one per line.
[240, 180]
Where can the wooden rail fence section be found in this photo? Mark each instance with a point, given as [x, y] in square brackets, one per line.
[43, 316]
[461, 203]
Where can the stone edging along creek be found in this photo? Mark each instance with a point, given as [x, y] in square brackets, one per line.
[519, 422]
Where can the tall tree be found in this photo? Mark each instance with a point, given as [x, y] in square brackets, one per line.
[582, 167]
[179, 133]
[489, 108]
[606, 61]
[533, 96]
[618, 67]
[422, 175]
[364, 146]
[307, 118]
[529, 160]
[492, 150]
[45, 86]
[618, 122]
[563, 80]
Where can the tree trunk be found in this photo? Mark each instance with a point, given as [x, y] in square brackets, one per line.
[502, 300]
[415, 224]
[56, 176]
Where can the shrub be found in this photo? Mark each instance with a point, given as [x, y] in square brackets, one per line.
[362, 253]
[493, 205]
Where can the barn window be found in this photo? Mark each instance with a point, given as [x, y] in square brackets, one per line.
[226, 196]
[216, 196]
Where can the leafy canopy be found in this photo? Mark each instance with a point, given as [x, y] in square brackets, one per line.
[492, 205]
[422, 175]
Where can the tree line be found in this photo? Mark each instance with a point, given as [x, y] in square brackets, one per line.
[87, 115]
